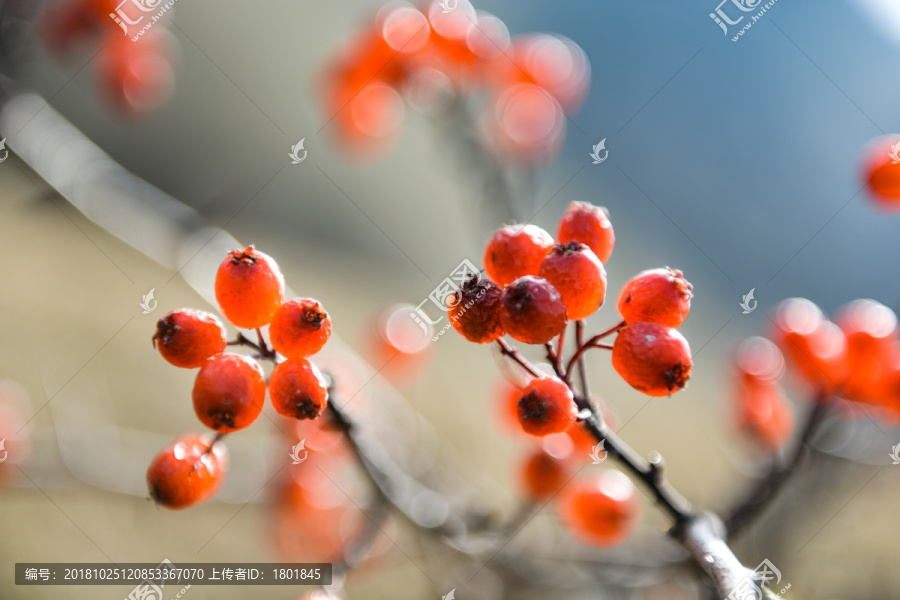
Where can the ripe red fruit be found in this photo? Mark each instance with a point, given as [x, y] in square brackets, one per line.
[298, 390]
[658, 295]
[578, 276]
[555, 64]
[249, 288]
[759, 360]
[533, 311]
[542, 476]
[652, 358]
[871, 331]
[529, 125]
[187, 337]
[475, 310]
[602, 510]
[229, 392]
[813, 346]
[764, 412]
[300, 328]
[546, 406]
[882, 172]
[514, 251]
[583, 222]
[187, 472]
[136, 77]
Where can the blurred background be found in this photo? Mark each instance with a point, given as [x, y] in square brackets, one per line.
[736, 162]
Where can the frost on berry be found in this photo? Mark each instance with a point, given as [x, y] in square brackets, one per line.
[298, 390]
[533, 311]
[515, 251]
[579, 277]
[187, 337]
[658, 295]
[546, 406]
[652, 358]
[300, 328]
[475, 310]
[588, 224]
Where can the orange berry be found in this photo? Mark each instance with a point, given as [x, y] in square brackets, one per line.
[815, 347]
[229, 392]
[249, 288]
[298, 390]
[475, 310]
[554, 63]
[187, 472]
[187, 337]
[533, 311]
[602, 510]
[546, 406]
[136, 77]
[652, 358]
[583, 222]
[300, 328]
[871, 331]
[515, 251]
[658, 295]
[764, 413]
[542, 476]
[529, 125]
[579, 277]
[882, 172]
[758, 359]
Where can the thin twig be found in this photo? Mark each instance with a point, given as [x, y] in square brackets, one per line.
[511, 352]
[593, 342]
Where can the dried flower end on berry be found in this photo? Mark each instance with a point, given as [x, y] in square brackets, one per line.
[249, 288]
[652, 358]
[229, 392]
[542, 476]
[546, 406]
[658, 295]
[475, 310]
[579, 277]
[300, 328]
[298, 390]
[602, 510]
[187, 337]
[533, 311]
[187, 472]
[583, 222]
[515, 251]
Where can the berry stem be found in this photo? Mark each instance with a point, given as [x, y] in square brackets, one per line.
[511, 352]
[582, 368]
[262, 350]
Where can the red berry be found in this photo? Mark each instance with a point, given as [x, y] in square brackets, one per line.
[298, 390]
[137, 77]
[187, 337]
[652, 358]
[475, 310]
[758, 359]
[542, 476]
[578, 276]
[515, 251]
[249, 288]
[602, 510]
[659, 295]
[813, 346]
[764, 413]
[187, 472]
[546, 406]
[229, 392]
[871, 331]
[882, 171]
[583, 222]
[300, 328]
[555, 64]
[529, 125]
[533, 311]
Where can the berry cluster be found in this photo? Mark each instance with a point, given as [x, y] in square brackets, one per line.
[135, 76]
[856, 358]
[429, 55]
[534, 287]
[230, 389]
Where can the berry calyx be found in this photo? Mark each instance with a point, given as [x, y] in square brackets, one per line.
[583, 222]
[532, 311]
[298, 390]
[229, 392]
[602, 510]
[249, 288]
[187, 472]
[187, 337]
[652, 358]
[475, 310]
[579, 277]
[658, 295]
[300, 328]
[813, 346]
[546, 406]
[515, 251]
[542, 476]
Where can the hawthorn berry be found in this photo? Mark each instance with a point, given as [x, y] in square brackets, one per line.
[542, 476]
[529, 125]
[578, 276]
[187, 472]
[229, 392]
[532, 311]
[814, 346]
[300, 328]
[882, 172]
[658, 295]
[546, 406]
[602, 510]
[652, 358]
[764, 413]
[298, 390]
[249, 288]
[135, 77]
[583, 222]
[187, 337]
[475, 310]
[515, 251]
[758, 359]
[871, 331]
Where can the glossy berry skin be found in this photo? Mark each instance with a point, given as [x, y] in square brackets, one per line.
[187, 472]
[602, 510]
[882, 173]
[229, 392]
[542, 476]
[546, 406]
[658, 295]
[515, 251]
[815, 348]
[475, 310]
[187, 337]
[871, 332]
[578, 276]
[300, 328]
[298, 390]
[532, 311]
[583, 222]
[249, 288]
[652, 358]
